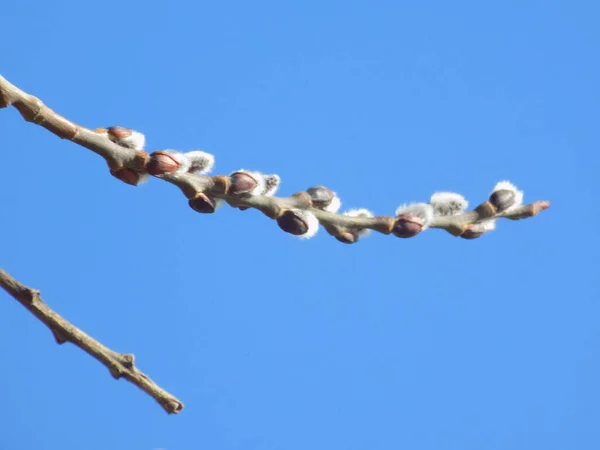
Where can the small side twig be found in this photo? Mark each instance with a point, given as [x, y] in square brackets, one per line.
[119, 364]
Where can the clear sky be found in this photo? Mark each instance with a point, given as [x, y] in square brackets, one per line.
[276, 343]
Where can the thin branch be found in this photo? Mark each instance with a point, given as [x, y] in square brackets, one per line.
[128, 164]
[119, 364]
[298, 214]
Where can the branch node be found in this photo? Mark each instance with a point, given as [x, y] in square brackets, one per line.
[128, 360]
[115, 371]
[486, 210]
[384, 224]
[59, 337]
[303, 200]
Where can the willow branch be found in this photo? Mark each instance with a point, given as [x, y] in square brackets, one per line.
[120, 365]
[127, 164]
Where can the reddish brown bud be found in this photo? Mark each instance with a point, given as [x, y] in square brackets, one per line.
[407, 226]
[475, 230]
[127, 175]
[119, 132]
[161, 163]
[241, 183]
[469, 233]
[292, 223]
[503, 199]
[202, 203]
[347, 237]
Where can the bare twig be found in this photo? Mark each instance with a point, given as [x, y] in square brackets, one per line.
[124, 163]
[119, 364]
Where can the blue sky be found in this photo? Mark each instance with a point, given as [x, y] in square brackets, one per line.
[429, 343]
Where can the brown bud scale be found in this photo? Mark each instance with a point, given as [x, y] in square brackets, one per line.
[407, 226]
[161, 163]
[202, 203]
[292, 223]
[119, 132]
[126, 175]
[241, 183]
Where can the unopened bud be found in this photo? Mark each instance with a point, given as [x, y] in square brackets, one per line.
[299, 223]
[324, 198]
[347, 237]
[202, 203]
[475, 230]
[129, 176]
[125, 137]
[412, 219]
[506, 196]
[407, 226]
[502, 199]
[242, 183]
[162, 162]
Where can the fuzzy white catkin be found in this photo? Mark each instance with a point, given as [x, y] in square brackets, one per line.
[335, 204]
[201, 162]
[359, 212]
[448, 203]
[271, 184]
[143, 178]
[312, 223]
[485, 226]
[136, 141]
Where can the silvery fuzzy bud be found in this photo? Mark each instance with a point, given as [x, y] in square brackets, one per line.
[324, 198]
[201, 162]
[272, 183]
[448, 204]
[505, 196]
[476, 230]
[299, 223]
[125, 137]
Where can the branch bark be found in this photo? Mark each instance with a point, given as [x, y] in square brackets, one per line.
[120, 365]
